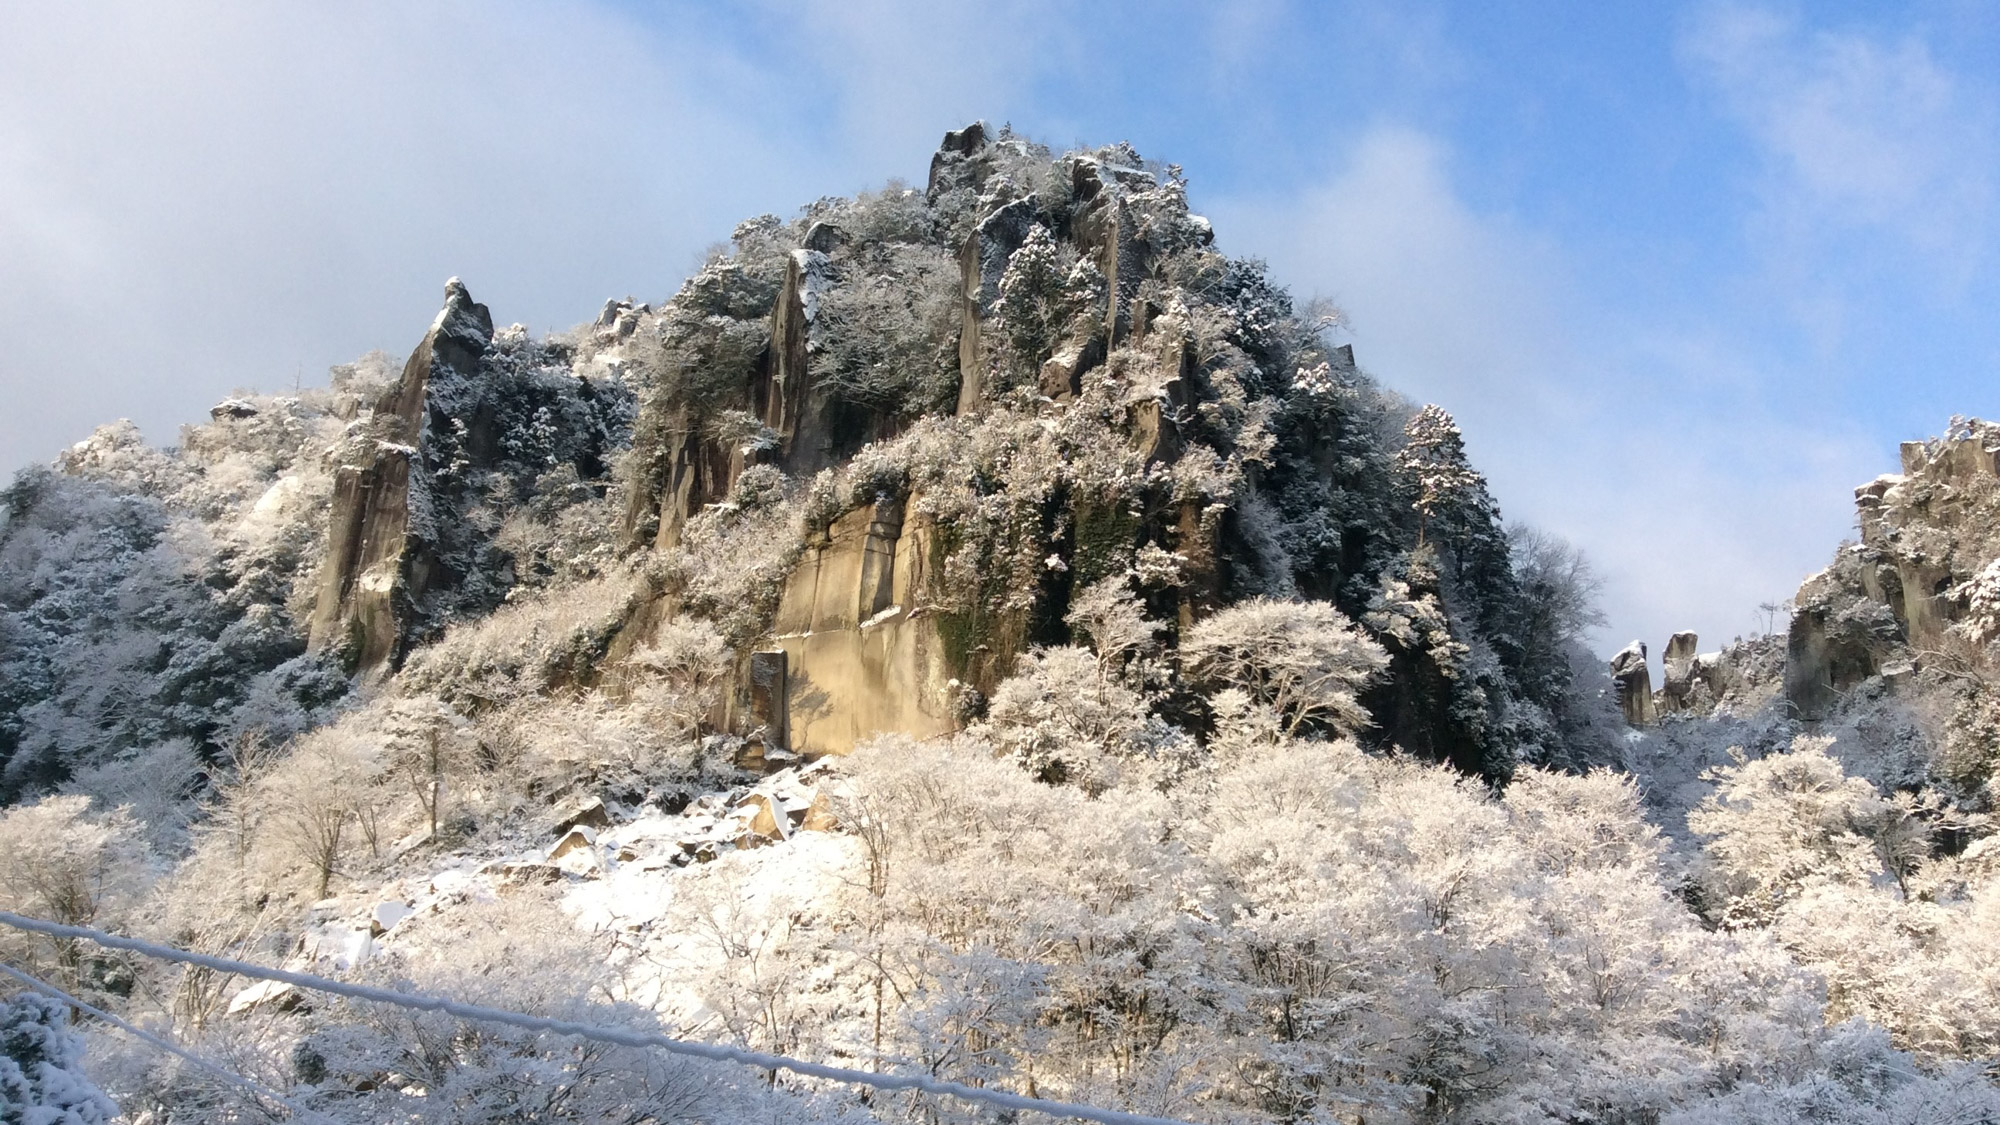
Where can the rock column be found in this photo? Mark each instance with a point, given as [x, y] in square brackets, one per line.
[1634, 683]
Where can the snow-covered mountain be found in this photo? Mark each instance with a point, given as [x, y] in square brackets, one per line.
[978, 630]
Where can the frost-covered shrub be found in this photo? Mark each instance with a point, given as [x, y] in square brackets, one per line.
[1299, 928]
[148, 596]
[731, 565]
[1046, 289]
[683, 668]
[537, 642]
[886, 335]
[62, 862]
[372, 1062]
[42, 1081]
[1845, 879]
[635, 741]
[1778, 825]
[320, 805]
[152, 785]
[1062, 720]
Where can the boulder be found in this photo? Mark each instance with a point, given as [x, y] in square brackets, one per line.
[577, 852]
[512, 874]
[824, 238]
[1634, 684]
[386, 915]
[957, 161]
[275, 995]
[583, 811]
[764, 817]
[819, 816]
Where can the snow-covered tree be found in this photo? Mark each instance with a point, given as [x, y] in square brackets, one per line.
[1780, 825]
[1433, 466]
[1045, 287]
[1305, 660]
[62, 862]
[1063, 719]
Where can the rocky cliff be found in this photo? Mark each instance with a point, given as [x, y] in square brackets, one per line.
[894, 446]
[1016, 384]
[376, 566]
[468, 431]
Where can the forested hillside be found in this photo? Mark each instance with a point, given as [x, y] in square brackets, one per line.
[979, 630]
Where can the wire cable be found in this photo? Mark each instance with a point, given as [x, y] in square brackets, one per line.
[622, 1037]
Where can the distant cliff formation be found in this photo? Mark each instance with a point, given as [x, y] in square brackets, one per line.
[475, 425]
[1904, 616]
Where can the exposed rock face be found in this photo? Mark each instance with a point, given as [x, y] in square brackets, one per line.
[698, 471]
[374, 564]
[1182, 440]
[1166, 396]
[1677, 679]
[865, 654]
[1893, 598]
[949, 163]
[1837, 639]
[787, 404]
[1634, 683]
[698, 466]
[1105, 230]
[620, 319]
[981, 265]
[770, 697]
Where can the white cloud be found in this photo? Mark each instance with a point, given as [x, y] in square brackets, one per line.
[1649, 446]
[195, 199]
[1854, 130]
[892, 70]
[191, 203]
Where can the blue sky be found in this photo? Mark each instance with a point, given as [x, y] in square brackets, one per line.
[1685, 273]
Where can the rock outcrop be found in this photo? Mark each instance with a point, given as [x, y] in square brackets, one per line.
[1130, 405]
[1678, 681]
[785, 398]
[1634, 684]
[376, 558]
[981, 264]
[1894, 599]
[699, 463]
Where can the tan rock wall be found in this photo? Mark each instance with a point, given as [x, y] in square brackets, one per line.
[864, 656]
